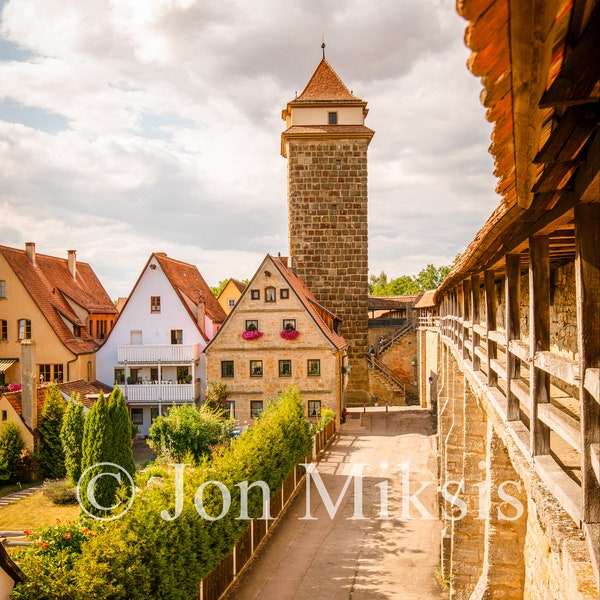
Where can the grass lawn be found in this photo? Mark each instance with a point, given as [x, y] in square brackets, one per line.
[34, 511]
[6, 490]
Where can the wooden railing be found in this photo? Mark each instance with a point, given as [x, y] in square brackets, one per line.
[142, 354]
[216, 583]
[161, 391]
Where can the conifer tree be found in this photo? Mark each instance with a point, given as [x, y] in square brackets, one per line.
[52, 458]
[122, 453]
[72, 437]
[97, 434]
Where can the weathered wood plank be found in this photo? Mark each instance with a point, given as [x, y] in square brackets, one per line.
[566, 491]
[564, 425]
[497, 336]
[512, 291]
[587, 284]
[558, 366]
[498, 368]
[539, 338]
[480, 331]
[595, 459]
[592, 383]
[490, 323]
[520, 350]
[475, 289]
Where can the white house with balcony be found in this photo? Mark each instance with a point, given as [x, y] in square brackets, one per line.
[154, 351]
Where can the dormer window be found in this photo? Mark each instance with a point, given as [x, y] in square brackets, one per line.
[332, 118]
[2, 288]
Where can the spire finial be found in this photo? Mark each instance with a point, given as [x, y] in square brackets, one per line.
[323, 44]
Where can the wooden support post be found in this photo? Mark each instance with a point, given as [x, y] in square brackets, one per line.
[466, 314]
[461, 329]
[475, 289]
[539, 339]
[587, 284]
[513, 331]
[490, 324]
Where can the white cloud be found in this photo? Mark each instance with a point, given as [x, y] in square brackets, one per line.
[167, 124]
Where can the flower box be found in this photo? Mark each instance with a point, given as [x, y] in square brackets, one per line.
[289, 334]
[252, 334]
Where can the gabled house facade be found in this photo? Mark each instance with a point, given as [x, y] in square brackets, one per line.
[155, 349]
[59, 303]
[277, 335]
[230, 294]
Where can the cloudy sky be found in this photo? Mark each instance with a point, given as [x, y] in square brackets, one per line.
[129, 127]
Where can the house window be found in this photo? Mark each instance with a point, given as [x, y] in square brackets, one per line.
[89, 370]
[256, 408]
[176, 336]
[153, 413]
[252, 325]
[270, 294]
[332, 118]
[4, 415]
[135, 375]
[153, 374]
[2, 288]
[101, 329]
[255, 294]
[230, 302]
[58, 374]
[314, 408]
[256, 368]
[183, 374]
[154, 304]
[289, 324]
[313, 367]
[284, 293]
[45, 373]
[226, 368]
[119, 375]
[135, 337]
[137, 416]
[77, 331]
[3, 330]
[24, 329]
[229, 409]
[285, 368]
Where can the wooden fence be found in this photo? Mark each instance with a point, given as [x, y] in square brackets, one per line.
[216, 583]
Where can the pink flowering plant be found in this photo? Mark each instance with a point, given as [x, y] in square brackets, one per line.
[251, 333]
[289, 334]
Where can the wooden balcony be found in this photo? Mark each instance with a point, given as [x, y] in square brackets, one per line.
[161, 392]
[147, 354]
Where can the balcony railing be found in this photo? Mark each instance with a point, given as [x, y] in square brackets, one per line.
[163, 392]
[153, 354]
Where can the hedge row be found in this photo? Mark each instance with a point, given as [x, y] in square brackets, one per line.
[142, 555]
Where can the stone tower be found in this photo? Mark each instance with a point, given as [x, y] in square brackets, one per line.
[325, 143]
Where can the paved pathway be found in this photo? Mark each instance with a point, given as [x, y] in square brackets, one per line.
[362, 559]
[5, 500]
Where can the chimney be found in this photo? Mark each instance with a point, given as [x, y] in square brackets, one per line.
[72, 263]
[30, 251]
[29, 383]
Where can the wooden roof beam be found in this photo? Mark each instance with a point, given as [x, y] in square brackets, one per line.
[531, 42]
[577, 82]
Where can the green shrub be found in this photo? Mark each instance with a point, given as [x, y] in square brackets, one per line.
[60, 492]
[71, 434]
[11, 449]
[50, 451]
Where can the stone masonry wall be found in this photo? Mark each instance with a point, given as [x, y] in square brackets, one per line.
[514, 540]
[328, 236]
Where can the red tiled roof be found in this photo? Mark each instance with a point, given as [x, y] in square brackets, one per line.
[305, 296]
[50, 284]
[187, 281]
[325, 85]
[79, 386]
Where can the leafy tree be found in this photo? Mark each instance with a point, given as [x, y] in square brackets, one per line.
[428, 278]
[122, 454]
[11, 448]
[96, 448]
[50, 450]
[217, 289]
[188, 431]
[216, 396]
[71, 434]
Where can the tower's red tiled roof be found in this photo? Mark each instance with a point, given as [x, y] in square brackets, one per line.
[51, 286]
[325, 85]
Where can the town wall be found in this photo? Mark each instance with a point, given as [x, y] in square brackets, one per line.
[514, 540]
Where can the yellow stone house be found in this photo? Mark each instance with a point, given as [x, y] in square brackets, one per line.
[277, 335]
[231, 294]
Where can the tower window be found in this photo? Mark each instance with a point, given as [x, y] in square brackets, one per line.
[332, 118]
